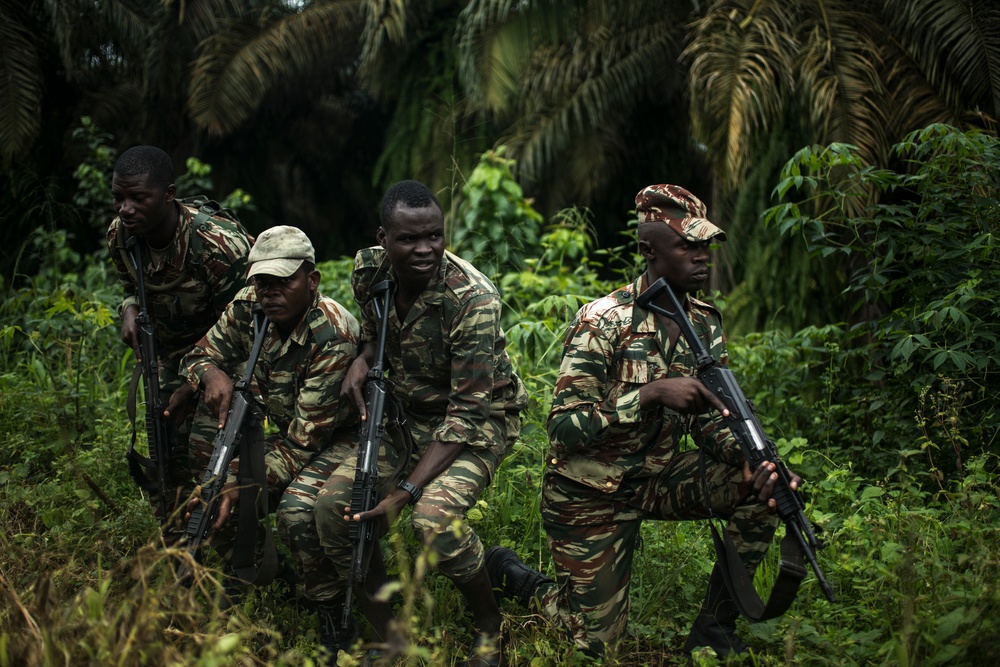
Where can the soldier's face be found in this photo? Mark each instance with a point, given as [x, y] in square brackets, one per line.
[142, 207]
[285, 300]
[414, 243]
[669, 255]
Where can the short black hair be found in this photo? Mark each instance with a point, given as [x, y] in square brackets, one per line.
[410, 193]
[149, 160]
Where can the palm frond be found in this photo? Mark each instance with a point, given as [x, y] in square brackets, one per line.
[236, 68]
[957, 46]
[917, 103]
[591, 83]
[840, 76]
[385, 27]
[496, 39]
[741, 55]
[20, 88]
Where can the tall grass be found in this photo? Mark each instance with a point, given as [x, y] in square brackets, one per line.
[906, 500]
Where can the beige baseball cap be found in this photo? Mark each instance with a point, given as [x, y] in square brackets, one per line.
[280, 251]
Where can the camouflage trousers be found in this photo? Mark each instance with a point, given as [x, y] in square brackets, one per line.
[297, 515]
[293, 504]
[439, 518]
[593, 538]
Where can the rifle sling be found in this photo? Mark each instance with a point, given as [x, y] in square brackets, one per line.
[253, 514]
[791, 572]
[136, 461]
[741, 588]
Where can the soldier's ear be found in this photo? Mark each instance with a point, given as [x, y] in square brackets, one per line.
[380, 236]
[313, 279]
[170, 194]
[646, 249]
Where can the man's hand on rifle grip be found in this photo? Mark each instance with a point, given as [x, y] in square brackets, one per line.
[687, 396]
[217, 387]
[385, 513]
[228, 496]
[762, 481]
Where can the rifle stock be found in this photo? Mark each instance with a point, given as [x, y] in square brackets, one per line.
[240, 421]
[364, 495]
[745, 426]
[160, 434]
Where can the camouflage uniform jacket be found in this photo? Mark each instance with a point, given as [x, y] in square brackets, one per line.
[448, 360]
[598, 435]
[297, 379]
[210, 261]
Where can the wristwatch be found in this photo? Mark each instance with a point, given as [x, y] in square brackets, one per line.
[414, 492]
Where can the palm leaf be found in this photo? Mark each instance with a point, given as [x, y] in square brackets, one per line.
[570, 92]
[840, 80]
[238, 67]
[956, 43]
[20, 87]
[741, 58]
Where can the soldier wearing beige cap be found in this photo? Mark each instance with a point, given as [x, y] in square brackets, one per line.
[303, 362]
[625, 395]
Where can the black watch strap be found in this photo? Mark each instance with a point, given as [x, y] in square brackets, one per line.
[414, 492]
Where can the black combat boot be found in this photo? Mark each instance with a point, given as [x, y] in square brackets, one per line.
[512, 578]
[715, 625]
[332, 635]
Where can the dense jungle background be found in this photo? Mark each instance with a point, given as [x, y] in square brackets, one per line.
[849, 148]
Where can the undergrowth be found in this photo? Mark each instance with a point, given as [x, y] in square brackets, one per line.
[896, 442]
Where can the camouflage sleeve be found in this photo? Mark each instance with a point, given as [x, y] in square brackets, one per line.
[124, 277]
[318, 410]
[582, 413]
[226, 265]
[225, 346]
[473, 364]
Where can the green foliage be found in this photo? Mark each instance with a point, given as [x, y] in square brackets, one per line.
[895, 442]
[493, 225]
[93, 175]
[924, 285]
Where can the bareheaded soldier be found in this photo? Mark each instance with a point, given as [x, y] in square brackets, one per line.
[448, 364]
[195, 263]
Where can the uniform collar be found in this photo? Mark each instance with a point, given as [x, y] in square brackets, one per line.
[176, 252]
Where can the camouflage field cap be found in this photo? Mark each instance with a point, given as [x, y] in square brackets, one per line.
[280, 251]
[679, 209]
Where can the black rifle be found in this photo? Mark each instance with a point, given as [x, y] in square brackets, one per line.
[161, 434]
[242, 431]
[753, 442]
[364, 496]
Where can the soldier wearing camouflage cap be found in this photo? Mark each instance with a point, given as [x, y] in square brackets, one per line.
[305, 356]
[625, 395]
[195, 264]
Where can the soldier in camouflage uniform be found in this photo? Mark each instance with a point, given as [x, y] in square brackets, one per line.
[193, 271]
[625, 394]
[447, 360]
[306, 353]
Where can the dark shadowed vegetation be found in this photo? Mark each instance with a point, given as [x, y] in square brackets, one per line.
[889, 411]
